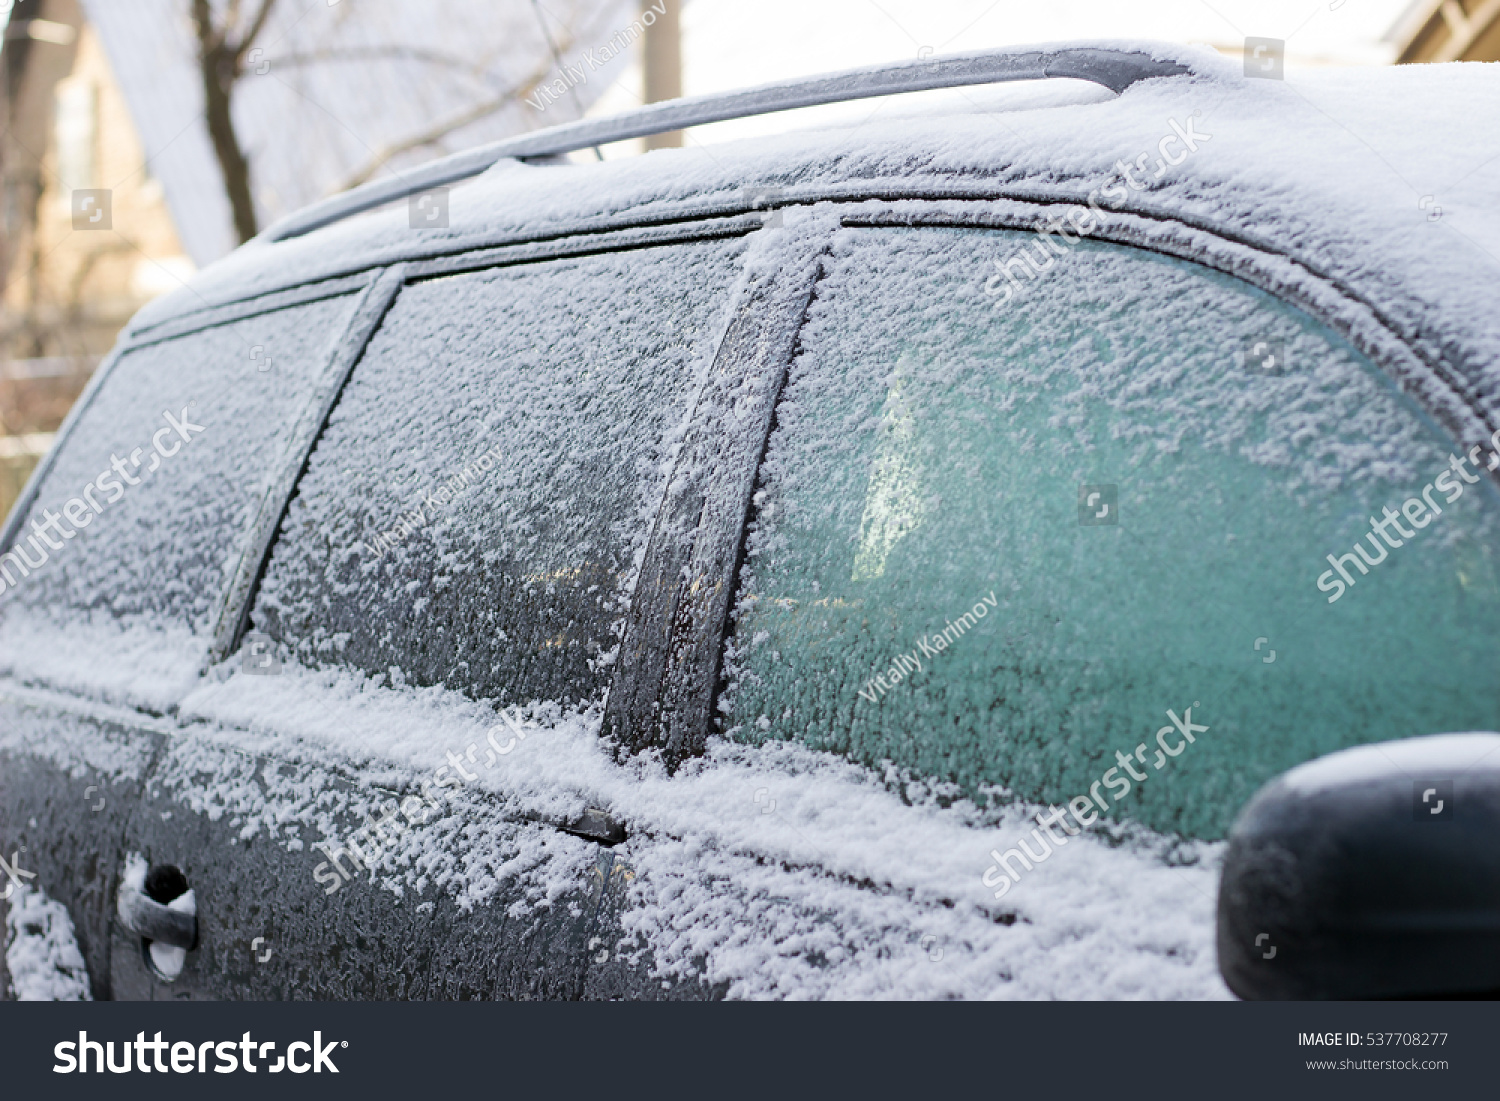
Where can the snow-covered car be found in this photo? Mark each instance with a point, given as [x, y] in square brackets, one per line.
[878, 560]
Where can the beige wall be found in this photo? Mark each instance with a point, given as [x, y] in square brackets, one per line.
[68, 291]
[74, 288]
[1451, 30]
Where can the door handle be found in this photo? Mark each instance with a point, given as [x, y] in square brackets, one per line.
[146, 917]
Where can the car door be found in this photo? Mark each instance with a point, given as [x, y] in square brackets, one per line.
[1128, 537]
[112, 562]
[364, 796]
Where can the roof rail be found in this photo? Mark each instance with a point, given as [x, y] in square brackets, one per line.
[1111, 66]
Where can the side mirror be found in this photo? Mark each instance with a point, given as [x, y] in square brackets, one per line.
[1370, 873]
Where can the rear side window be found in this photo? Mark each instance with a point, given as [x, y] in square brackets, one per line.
[475, 513]
[1011, 542]
[140, 515]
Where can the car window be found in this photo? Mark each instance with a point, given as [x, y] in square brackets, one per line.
[475, 511]
[139, 516]
[1017, 541]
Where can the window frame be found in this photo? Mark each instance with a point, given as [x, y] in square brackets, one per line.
[1435, 389]
[663, 687]
[667, 680]
[381, 293]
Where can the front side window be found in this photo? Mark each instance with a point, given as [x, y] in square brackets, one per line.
[1141, 534]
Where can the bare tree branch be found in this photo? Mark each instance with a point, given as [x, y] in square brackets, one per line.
[370, 53]
[257, 25]
[439, 130]
[221, 58]
[209, 36]
[219, 66]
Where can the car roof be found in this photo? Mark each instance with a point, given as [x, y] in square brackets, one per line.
[1380, 181]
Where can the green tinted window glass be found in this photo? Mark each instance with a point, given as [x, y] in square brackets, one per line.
[999, 541]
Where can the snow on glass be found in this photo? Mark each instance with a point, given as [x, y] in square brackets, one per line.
[930, 447]
[518, 423]
[149, 567]
[1104, 919]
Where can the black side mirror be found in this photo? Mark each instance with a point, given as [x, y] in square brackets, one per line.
[1370, 873]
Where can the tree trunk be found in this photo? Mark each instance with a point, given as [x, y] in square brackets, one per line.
[662, 57]
[218, 64]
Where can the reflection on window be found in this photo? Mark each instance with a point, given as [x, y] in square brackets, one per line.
[893, 502]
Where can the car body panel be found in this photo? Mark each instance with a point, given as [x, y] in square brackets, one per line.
[766, 871]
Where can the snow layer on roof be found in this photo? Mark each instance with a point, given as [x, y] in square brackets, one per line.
[1382, 179]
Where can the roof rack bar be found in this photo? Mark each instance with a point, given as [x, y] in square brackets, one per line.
[1114, 68]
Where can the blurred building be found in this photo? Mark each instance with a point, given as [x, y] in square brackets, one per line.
[1449, 30]
[73, 272]
[93, 227]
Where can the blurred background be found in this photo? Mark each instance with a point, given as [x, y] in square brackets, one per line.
[144, 139]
